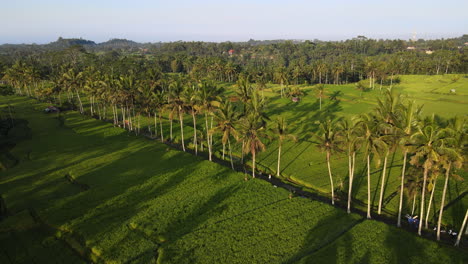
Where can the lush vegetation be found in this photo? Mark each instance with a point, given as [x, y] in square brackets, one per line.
[346, 125]
[142, 206]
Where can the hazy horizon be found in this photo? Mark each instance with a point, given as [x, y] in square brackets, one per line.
[144, 21]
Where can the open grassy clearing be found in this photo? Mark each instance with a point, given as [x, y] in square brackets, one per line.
[148, 202]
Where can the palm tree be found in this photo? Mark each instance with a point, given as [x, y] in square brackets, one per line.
[159, 100]
[452, 156]
[192, 99]
[320, 90]
[177, 102]
[387, 111]
[428, 140]
[226, 117]
[252, 133]
[280, 131]
[409, 114]
[462, 229]
[328, 142]
[282, 76]
[74, 79]
[210, 98]
[373, 145]
[349, 137]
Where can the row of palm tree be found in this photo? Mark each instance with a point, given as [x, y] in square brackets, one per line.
[394, 126]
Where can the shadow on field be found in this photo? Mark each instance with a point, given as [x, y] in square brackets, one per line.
[323, 236]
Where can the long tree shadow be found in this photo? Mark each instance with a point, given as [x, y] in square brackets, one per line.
[323, 235]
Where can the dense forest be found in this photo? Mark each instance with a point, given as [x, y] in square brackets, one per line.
[282, 62]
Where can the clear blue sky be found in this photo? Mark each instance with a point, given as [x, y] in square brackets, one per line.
[42, 21]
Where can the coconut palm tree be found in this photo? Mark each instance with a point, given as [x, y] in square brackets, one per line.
[159, 100]
[176, 90]
[387, 111]
[327, 137]
[280, 131]
[320, 90]
[226, 117]
[74, 80]
[252, 134]
[210, 99]
[191, 97]
[373, 146]
[350, 139]
[452, 157]
[462, 229]
[409, 115]
[282, 77]
[428, 140]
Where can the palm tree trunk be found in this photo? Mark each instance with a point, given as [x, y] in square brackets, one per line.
[242, 152]
[442, 202]
[391, 82]
[181, 129]
[207, 136]
[279, 159]
[430, 203]
[253, 164]
[460, 233]
[383, 183]
[155, 125]
[160, 126]
[368, 189]
[426, 171]
[123, 116]
[79, 100]
[170, 129]
[400, 207]
[92, 103]
[195, 132]
[224, 148]
[230, 153]
[351, 177]
[414, 203]
[331, 178]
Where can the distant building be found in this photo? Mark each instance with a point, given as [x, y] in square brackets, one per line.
[429, 51]
[231, 51]
[411, 48]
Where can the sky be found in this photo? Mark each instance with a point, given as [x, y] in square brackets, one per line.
[43, 21]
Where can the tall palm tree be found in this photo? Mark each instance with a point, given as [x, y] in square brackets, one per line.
[428, 140]
[373, 146]
[328, 142]
[320, 90]
[74, 81]
[452, 157]
[252, 134]
[176, 98]
[282, 77]
[159, 100]
[409, 114]
[226, 117]
[210, 99]
[350, 139]
[388, 112]
[280, 131]
[191, 97]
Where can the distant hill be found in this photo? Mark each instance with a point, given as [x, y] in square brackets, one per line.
[119, 43]
[65, 43]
